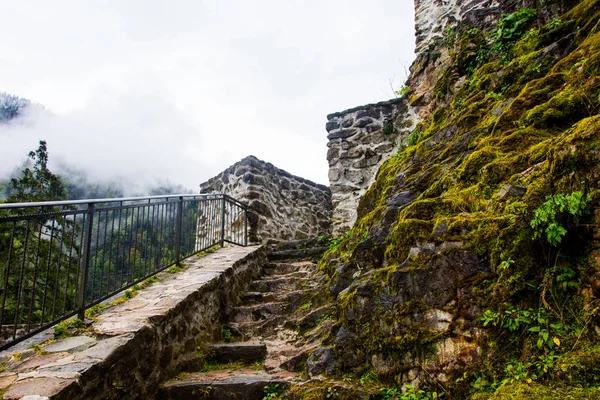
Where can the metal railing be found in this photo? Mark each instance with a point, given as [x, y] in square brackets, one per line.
[59, 258]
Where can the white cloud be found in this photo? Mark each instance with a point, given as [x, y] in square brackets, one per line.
[182, 89]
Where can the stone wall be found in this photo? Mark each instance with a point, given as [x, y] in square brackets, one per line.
[281, 206]
[436, 20]
[135, 346]
[360, 140]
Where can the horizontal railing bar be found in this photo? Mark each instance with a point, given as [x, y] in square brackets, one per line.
[41, 216]
[235, 201]
[96, 201]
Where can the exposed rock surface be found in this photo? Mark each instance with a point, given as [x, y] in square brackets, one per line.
[281, 206]
[360, 140]
[453, 277]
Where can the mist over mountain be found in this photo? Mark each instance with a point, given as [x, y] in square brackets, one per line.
[11, 106]
[23, 123]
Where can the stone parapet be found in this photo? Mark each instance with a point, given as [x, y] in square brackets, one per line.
[134, 346]
[281, 206]
[360, 140]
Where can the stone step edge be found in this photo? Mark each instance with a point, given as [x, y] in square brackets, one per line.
[244, 352]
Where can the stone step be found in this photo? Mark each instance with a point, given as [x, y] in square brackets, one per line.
[309, 320]
[244, 384]
[247, 353]
[258, 312]
[297, 254]
[285, 268]
[281, 284]
[257, 329]
[293, 297]
[294, 274]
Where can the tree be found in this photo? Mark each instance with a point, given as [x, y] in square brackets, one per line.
[37, 183]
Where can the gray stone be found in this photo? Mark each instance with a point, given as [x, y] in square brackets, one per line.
[512, 191]
[332, 125]
[238, 387]
[281, 206]
[321, 361]
[332, 153]
[343, 278]
[71, 344]
[344, 337]
[342, 134]
[402, 199]
[361, 123]
[238, 352]
[334, 175]
[348, 122]
[354, 176]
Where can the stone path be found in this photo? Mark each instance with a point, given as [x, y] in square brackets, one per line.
[45, 371]
[277, 306]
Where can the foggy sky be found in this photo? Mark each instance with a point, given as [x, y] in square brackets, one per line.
[179, 90]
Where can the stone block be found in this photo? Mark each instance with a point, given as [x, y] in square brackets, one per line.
[334, 175]
[332, 125]
[354, 176]
[342, 134]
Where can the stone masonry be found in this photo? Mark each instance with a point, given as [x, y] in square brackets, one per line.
[281, 206]
[136, 345]
[360, 140]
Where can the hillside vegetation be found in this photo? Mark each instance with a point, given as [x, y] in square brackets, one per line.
[472, 270]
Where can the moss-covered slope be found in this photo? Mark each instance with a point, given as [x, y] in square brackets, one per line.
[471, 268]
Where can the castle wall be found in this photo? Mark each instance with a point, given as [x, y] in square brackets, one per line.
[360, 140]
[281, 206]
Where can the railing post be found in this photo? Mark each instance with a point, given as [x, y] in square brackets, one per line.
[245, 227]
[178, 232]
[223, 222]
[87, 255]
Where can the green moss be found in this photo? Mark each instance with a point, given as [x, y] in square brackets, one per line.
[523, 117]
[534, 391]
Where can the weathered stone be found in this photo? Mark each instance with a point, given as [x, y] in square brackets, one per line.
[383, 364]
[347, 122]
[344, 337]
[436, 285]
[43, 387]
[333, 153]
[402, 199]
[369, 142]
[334, 175]
[354, 176]
[6, 381]
[71, 344]
[238, 352]
[438, 320]
[247, 386]
[281, 206]
[512, 191]
[332, 125]
[321, 361]
[342, 134]
[361, 123]
[367, 161]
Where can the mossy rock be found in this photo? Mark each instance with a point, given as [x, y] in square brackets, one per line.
[534, 391]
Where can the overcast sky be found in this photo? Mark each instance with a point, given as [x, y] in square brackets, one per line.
[179, 90]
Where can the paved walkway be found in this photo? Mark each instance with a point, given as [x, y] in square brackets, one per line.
[42, 372]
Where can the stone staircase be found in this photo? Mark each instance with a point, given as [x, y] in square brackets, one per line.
[271, 331]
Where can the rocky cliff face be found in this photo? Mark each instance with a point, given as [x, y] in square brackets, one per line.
[471, 268]
[281, 206]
